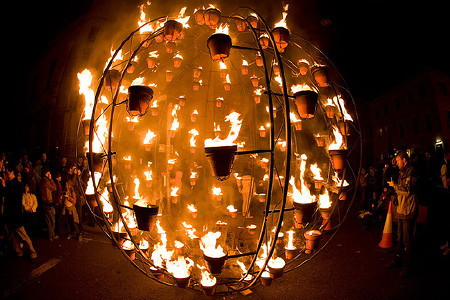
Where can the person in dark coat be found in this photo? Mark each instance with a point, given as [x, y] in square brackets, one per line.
[13, 191]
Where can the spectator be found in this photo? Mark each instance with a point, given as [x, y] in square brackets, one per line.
[63, 170]
[407, 208]
[14, 214]
[70, 211]
[58, 200]
[47, 187]
[30, 204]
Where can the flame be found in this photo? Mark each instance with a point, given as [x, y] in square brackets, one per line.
[160, 253]
[345, 114]
[236, 124]
[216, 127]
[338, 140]
[300, 87]
[183, 19]
[149, 137]
[290, 243]
[193, 132]
[154, 104]
[127, 158]
[85, 80]
[217, 191]
[137, 183]
[282, 22]
[303, 195]
[244, 62]
[316, 171]
[324, 200]
[192, 208]
[207, 278]
[90, 189]
[179, 268]
[339, 182]
[208, 244]
[148, 175]
[195, 112]
[134, 119]
[222, 28]
[231, 208]
[142, 20]
[193, 175]
[262, 128]
[128, 245]
[104, 197]
[294, 118]
[190, 231]
[172, 161]
[174, 191]
[143, 244]
[222, 65]
[277, 263]
[178, 55]
[244, 270]
[227, 78]
[153, 54]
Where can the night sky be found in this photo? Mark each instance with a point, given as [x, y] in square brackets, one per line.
[374, 44]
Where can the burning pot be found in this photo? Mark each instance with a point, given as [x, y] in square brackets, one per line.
[172, 30]
[320, 74]
[303, 213]
[212, 17]
[305, 102]
[86, 125]
[281, 36]
[303, 67]
[90, 198]
[209, 290]
[146, 216]
[183, 282]
[219, 45]
[97, 161]
[129, 249]
[241, 25]
[139, 97]
[312, 238]
[326, 221]
[338, 158]
[215, 264]
[221, 160]
[266, 280]
[112, 79]
[199, 16]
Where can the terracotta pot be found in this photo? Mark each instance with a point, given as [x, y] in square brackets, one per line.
[338, 158]
[212, 17]
[241, 25]
[86, 124]
[199, 16]
[112, 79]
[320, 74]
[290, 253]
[157, 273]
[259, 60]
[221, 160]
[276, 272]
[326, 221]
[139, 97]
[255, 81]
[97, 161]
[172, 30]
[320, 141]
[330, 111]
[244, 70]
[196, 86]
[183, 282]
[312, 239]
[209, 290]
[169, 76]
[219, 45]
[253, 21]
[215, 264]
[303, 68]
[257, 98]
[298, 126]
[154, 111]
[264, 42]
[266, 281]
[305, 102]
[177, 62]
[170, 46]
[197, 72]
[281, 35]
[146, 216]
[344, 127]
[227, 86]
[131, 253]
[303, 213]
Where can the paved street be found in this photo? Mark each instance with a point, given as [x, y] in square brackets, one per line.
[351, 266]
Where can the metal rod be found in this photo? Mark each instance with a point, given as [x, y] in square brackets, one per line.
[277, 94]
[252, 152]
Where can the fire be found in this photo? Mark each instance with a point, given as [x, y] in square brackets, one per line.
[244, 270]
[183, 19]
[85, 80]
[192, 208]
[174, 191]
[222, 65]
[338, 140]
[190, 230]
[276, 263]
[324, 200]
[294, 118]
[300, 87]
[180, 268]
[208, 244]
[134, 119]
[160, 253]
[104, 198]
[316, 171]
[193, 175]
[227, 78]
[236, 124]
[207, 278]
[303, 195]
[244, 62]
[217, 191]
[90, 189]
[137, 183]
[231, 208]
[290, 243]
[193, 132]
[149, 137]
[222, 28]
[142, 20]
[282, 22]
[339, 182]
[127, 158]
[154, 104]
[345, 114]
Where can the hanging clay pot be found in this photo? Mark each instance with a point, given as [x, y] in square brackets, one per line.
[212, 17]
[320, 74]
[139, 97]
[305, 102]
[219, 45]
[281, 35]
[172, 30]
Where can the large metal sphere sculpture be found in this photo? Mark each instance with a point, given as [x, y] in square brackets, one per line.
[268, 187]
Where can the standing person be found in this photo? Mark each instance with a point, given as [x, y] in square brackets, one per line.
[444, 199]
[29, 203]
[70, 211]
[58, 202]
[47, 187]
[14, 214]
[407, 207]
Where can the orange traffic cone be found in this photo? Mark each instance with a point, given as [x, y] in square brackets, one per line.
[386, 239]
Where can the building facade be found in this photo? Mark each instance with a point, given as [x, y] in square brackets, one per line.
[413, 116]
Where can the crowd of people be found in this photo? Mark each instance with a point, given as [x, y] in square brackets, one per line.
[43, 198]
[417, 188]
